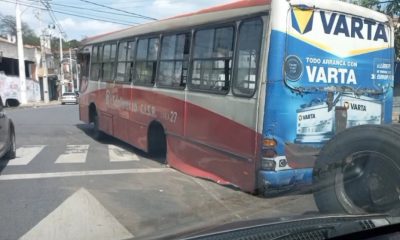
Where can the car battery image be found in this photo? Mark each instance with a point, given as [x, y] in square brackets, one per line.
[317, 122]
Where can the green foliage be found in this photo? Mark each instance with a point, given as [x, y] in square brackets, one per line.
[55, 44]
[8, 26]
[389, 7]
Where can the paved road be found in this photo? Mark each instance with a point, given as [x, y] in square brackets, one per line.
[65, 185]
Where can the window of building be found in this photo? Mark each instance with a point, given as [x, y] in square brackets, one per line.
[212, 60]
[173, 69]
[247, 57]
[125, 61]
[146, 61]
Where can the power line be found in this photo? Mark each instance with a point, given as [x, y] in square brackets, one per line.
[119, 10]
[94, 10]
[71, 14]
[53, 17]
[89, 9]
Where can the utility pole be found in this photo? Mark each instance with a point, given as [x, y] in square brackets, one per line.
[21, 58]
[77, 71]
[61, 66]
[43, 61]
[44, 66]
[70, 70]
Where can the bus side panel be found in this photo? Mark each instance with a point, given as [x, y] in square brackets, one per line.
[121, 108]
[137, 135]
[204, 162]
[221, 129]
[106, 122]
[148, 106]
[87, 96]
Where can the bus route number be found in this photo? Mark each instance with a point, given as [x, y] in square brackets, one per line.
[171, 116]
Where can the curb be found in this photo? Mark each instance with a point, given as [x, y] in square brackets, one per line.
[35, 105]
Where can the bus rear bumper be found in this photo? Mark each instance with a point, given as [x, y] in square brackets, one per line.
[284, 179]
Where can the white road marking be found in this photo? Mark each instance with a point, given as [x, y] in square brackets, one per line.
[80, 216]
[74, 154]
[82, 173]
[117, 154]
[25, 155]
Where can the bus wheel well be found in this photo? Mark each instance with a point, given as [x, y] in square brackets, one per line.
[157, 141]
[92, 112]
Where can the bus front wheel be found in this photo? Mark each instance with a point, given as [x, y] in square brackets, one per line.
[358, 172]
[97, 133]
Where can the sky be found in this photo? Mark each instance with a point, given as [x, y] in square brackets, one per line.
[77, 28]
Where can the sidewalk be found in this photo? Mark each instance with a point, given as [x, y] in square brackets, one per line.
[38, 104]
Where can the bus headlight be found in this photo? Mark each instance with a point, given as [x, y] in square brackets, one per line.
[268, 165]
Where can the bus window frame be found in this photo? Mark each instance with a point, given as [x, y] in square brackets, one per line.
[231, 23]
[96, 61]
[148, 37]
[131, 74]
[175, 33]
[259, 60]
[112, 80]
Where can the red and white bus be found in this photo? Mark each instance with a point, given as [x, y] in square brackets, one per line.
[243, 93]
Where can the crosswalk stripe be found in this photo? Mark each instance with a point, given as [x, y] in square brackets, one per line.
[74, 154]
[117, 154]
[25, 155]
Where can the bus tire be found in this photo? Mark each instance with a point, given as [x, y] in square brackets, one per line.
[97, 133]
[12, 151]
[157, 141]
[358, 172]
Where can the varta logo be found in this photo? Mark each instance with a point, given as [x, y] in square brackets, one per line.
[302, 20]
[338, 24]
[358, 107]
[306, 116]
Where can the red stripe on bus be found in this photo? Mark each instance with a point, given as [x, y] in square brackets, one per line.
[232, 147]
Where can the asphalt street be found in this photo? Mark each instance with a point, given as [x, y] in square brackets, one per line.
[66, 185]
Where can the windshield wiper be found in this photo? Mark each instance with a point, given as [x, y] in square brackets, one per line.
[324, 227]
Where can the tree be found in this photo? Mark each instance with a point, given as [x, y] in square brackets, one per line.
[8, 26]
[391, 8]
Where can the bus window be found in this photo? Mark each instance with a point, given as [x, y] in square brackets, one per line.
[95, 64]
[83, 61]
[146, 61]
[247, 58]
[174, 61]
[212, 60]
[125, 61]
[94, 53]
[130, 61]
[113, 52]
[108, 62]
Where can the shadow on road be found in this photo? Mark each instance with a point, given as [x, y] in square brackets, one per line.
[88, 130]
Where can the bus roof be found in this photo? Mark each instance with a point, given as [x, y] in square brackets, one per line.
[216, 13]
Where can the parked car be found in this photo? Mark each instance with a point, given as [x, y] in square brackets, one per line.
[69, 97]
[7, 135]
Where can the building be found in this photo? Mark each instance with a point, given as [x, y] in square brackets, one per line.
[9, 68]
